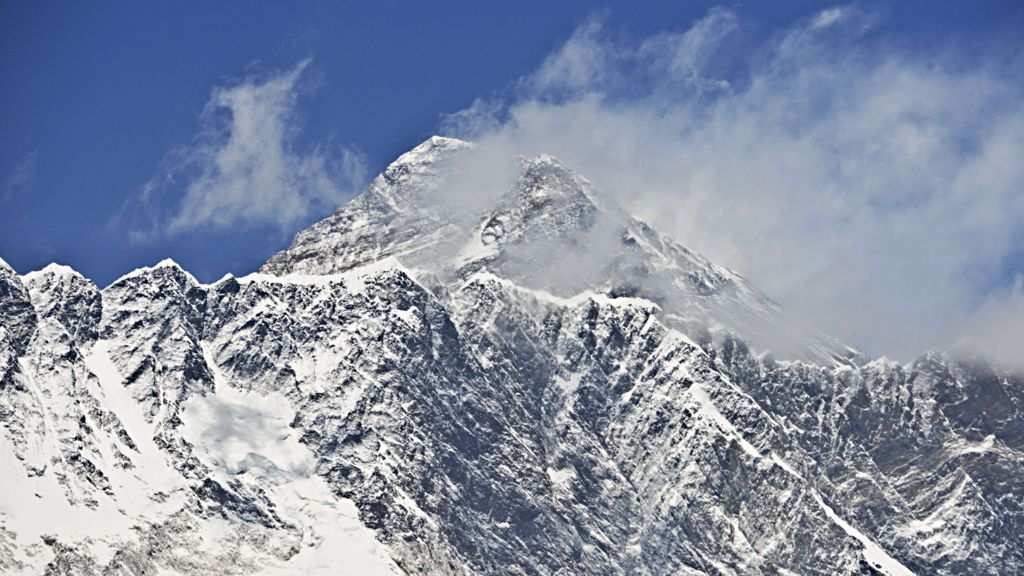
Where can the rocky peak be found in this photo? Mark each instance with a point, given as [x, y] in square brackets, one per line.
[406, 182]
[63, 294]
[17, 316]
[154, 319]
[547, 228]
[546, 201]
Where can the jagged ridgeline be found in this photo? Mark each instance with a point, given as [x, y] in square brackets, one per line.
[523, 381]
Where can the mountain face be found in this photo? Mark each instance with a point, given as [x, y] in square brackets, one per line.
[522, 380]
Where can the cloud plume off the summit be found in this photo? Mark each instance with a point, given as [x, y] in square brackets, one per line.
[876, 192]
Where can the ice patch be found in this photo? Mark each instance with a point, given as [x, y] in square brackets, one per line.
[249, 435]
[568, 385]
[232, 425]
[561, 478]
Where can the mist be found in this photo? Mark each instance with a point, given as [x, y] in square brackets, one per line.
[874, 191]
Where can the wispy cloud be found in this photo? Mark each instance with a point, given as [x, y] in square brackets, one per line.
[874, 191]
[21, 179]
[580, 64]
[246, 166]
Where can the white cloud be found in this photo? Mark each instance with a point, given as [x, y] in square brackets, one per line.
[22, 177]
[873, 191]
[680, 59]
[580, 63]
[829, 17]
[246, 166]
[997, 329]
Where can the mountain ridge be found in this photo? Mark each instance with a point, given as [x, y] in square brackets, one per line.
[374, 401]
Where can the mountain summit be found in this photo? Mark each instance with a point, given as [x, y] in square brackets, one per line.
[544, 228]
[484, 368]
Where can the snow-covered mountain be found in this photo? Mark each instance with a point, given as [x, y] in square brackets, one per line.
[520, 380]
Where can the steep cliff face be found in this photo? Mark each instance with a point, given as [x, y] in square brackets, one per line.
[537, 384]
[17, 316]
[926, 456]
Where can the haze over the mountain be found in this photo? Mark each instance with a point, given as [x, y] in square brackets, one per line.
[530, 382]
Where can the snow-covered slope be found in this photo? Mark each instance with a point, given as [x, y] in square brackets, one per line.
[535, 384]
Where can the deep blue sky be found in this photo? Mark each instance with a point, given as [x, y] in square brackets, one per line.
[95, 94]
